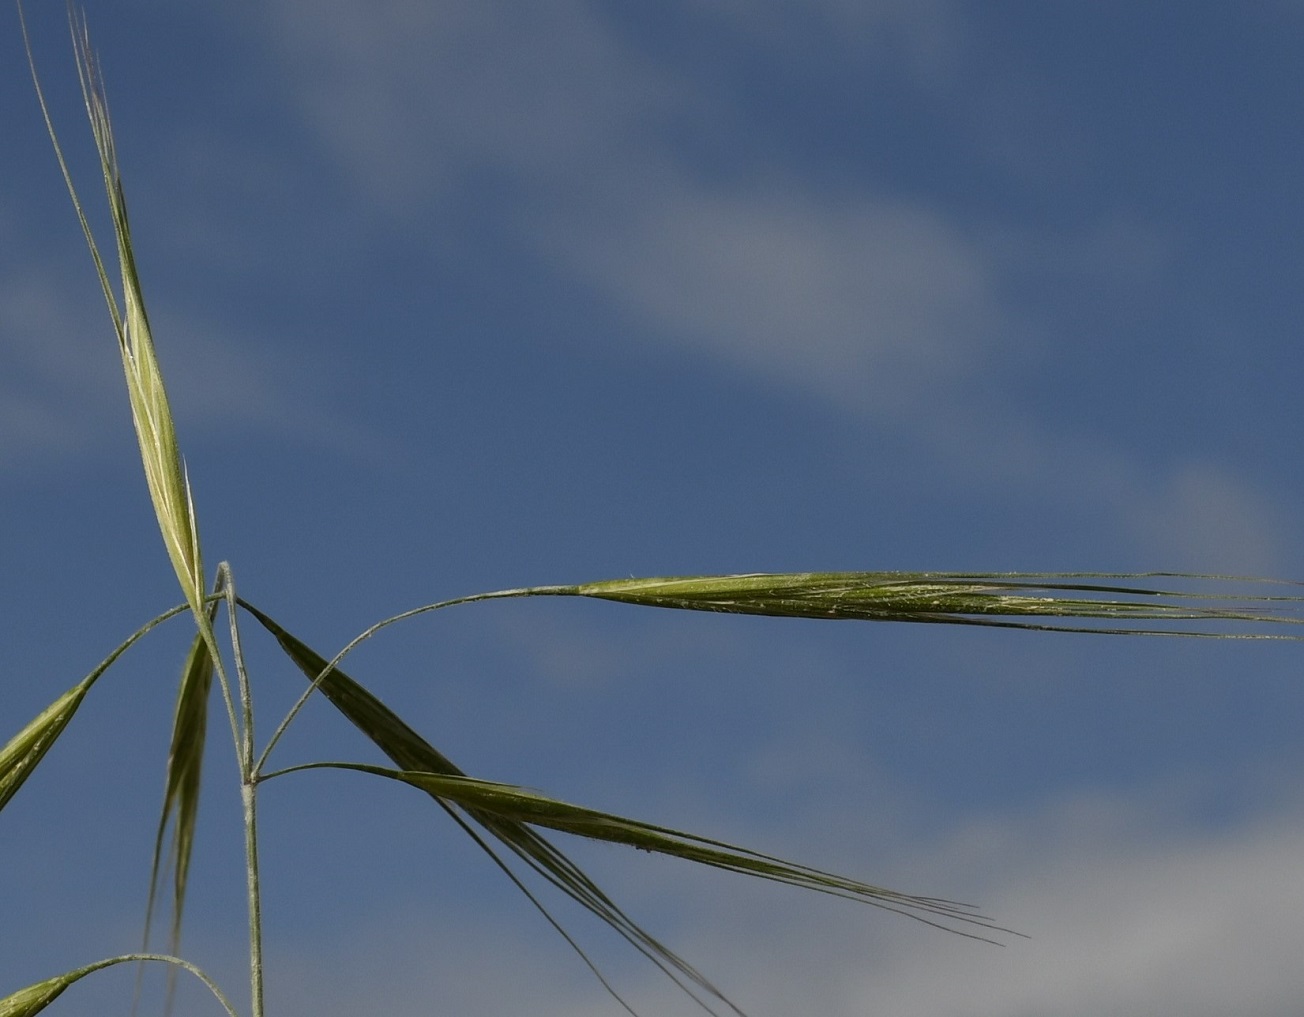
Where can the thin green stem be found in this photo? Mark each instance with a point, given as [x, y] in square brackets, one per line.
[242, 733]
[161, 958]
[246, 745]
[134, 638]
[223, 587]
[248, 794]
[528, 591]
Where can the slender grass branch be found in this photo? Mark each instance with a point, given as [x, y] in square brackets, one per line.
[220, 591]
[248, 793]
[1015, 600]
[131, 640]
[527, 591]
[37, 997]
[249, 800]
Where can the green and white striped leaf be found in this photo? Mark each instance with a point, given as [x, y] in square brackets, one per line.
[181, 787]
[165, 474]
[35, 998]
[24, 752]
[27, 748]
[1109, 603]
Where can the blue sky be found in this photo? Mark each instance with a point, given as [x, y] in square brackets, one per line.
[461, 296]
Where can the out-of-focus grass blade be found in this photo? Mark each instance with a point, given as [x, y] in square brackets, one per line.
[26, 749]
[35, 998]
[1111, 603]
[181, 789]
[412, 753]
[165, 473]
[512, 803]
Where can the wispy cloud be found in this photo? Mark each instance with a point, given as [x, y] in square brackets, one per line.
[1125, 919]
[923, 39]
[870, 303]
[53, 386]
[1129, 912]
[890, 308]
[251, 384]
[61, 387]
[416, 97]
[850, 295]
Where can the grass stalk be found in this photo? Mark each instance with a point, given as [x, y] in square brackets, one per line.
[248, 796]
[249, 799]
[35, 998]
[527, 591]
[165, 471]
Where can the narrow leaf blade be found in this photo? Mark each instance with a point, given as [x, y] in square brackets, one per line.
[514, 804]
[35, 998]
[411, 752]
[26, 749]
[1108, 603]
[184, 773]
[151, 413]
[24, 752]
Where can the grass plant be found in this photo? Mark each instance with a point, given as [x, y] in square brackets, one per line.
[508, 822]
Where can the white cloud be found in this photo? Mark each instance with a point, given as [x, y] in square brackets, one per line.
[56, 377]
[1191, 513]
[416, 99]
[872, 303]
[413, 96]
[1123, 922]
[925, 38]
[879, 305]
[1129, 913]
[220, 380]
[1203, 513]
[853, 294]
[62, 387]
[886, 310]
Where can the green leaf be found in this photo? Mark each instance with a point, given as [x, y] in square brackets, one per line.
[165, 473]
[509, 812]
[515, 804]
[1218, 605]
[413, 753]
[26, 749]
[181, 787]
[35, 998]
